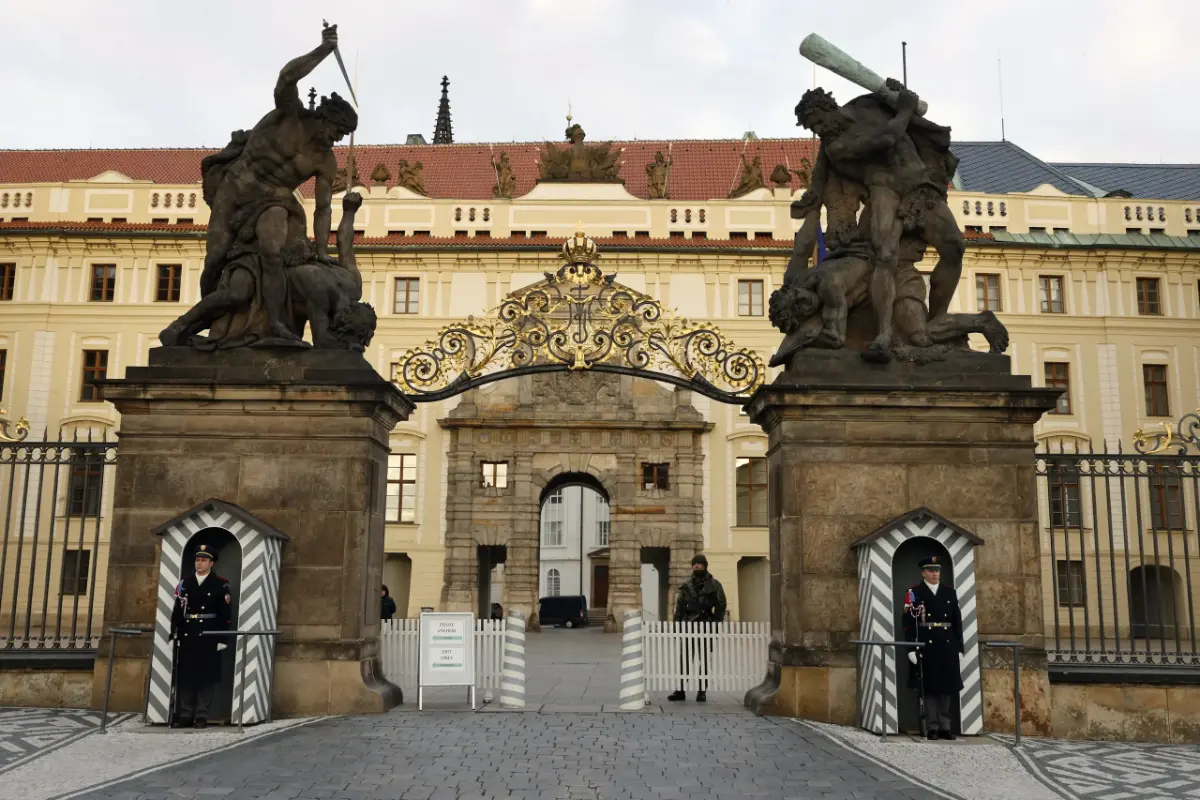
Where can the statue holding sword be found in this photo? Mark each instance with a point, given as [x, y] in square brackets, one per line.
[257, 229]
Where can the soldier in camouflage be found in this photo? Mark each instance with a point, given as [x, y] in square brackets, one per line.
[701, 599]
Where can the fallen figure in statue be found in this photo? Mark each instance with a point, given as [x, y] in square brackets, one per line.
[814, 309]
[321, 292]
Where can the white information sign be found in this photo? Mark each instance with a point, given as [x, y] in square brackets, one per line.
[447, 653]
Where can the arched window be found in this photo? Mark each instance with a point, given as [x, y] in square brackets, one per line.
[603, 524]
[553, 583]
[552, 520]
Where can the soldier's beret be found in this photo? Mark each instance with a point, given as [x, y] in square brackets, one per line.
[204, 551]
[930, 562]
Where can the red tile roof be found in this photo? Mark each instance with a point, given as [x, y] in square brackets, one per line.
[702, 169]
[434, 242]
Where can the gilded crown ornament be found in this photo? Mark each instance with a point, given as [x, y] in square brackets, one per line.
[1156, 442]
[579, 319]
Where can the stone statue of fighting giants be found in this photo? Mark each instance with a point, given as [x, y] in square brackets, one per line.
[263, 279]
[881, 177]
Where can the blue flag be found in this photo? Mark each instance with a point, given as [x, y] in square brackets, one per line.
[820, 243]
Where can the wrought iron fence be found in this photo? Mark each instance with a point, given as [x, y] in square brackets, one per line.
[52, 517]
[1121, 555]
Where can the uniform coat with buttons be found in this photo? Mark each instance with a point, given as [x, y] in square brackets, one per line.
[200, 607]
[943, 638]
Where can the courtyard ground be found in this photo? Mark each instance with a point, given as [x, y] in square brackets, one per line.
[568, 745]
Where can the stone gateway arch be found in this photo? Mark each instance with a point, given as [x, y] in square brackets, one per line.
[574, 345]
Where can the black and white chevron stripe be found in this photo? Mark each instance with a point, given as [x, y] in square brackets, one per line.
[258, 605]
[876, 618]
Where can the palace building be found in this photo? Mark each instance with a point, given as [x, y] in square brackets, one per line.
[1094, 268]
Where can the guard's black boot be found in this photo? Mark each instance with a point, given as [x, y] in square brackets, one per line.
[181, 723]
[201, 723]
[947, 735]
[701, 696]
[675, 697]
[932, 736]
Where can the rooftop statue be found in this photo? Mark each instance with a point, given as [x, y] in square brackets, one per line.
[881, 177]
[260, 265]
[594, 163]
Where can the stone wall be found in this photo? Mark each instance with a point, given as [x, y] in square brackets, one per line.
[1125, 712]
[32, 687]
[596, 425]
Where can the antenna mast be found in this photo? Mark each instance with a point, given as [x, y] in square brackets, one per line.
[904, 62]
[1000, 85]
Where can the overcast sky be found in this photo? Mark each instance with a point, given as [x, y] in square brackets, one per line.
[1084, 80]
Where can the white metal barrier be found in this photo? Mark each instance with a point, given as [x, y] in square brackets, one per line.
[729, 656]
[399, 640]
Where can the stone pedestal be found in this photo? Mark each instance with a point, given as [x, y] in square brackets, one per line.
[299, 438]
[854, 445]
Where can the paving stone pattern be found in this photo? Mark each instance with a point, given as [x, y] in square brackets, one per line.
[28, 732]
[1114, 770]
[435, 755]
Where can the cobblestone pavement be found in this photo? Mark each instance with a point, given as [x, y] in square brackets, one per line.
[27, 733]
[567, 756]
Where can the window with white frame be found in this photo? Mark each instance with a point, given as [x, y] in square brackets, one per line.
[553, 583]
[603, 525]
[552, 520]
[401, 488]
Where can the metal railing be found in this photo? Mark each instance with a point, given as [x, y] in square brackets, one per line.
[53, 544]
[1121, 558]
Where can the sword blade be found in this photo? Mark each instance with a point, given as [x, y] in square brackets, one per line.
[338, 53]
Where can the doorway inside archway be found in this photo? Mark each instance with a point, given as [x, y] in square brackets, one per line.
[573, 555]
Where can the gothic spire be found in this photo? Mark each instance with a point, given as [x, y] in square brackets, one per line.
[443, 133]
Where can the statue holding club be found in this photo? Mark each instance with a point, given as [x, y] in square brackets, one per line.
[881, 177]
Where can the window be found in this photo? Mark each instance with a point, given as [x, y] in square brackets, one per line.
[75, 569]
[1066, 508]
[104, 282]
[751, 491]
[1147, 296]
[603, 522]
[170, 276]
[987, 292]
[1058, 376]
[495, 473]
[401, 488]
[750, 298]
[655, 476]
[1052, 294]
[183, 221]
[1154, 379]
[408, 296]
[737, 234]
[95, 368]
[160, 221]
[1166, 499]
[8, 279]
[84, 483]
[1069, 581]
[553, 583]
[552, 520]
[699, 235]
[3, 369]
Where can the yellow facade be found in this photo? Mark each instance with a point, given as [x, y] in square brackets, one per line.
[1099, 334]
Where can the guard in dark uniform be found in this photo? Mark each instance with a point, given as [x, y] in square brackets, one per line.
[932, 616]
[203, 602]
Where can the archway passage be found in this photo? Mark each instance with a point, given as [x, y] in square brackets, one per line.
[637, 445]
[573, 555]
